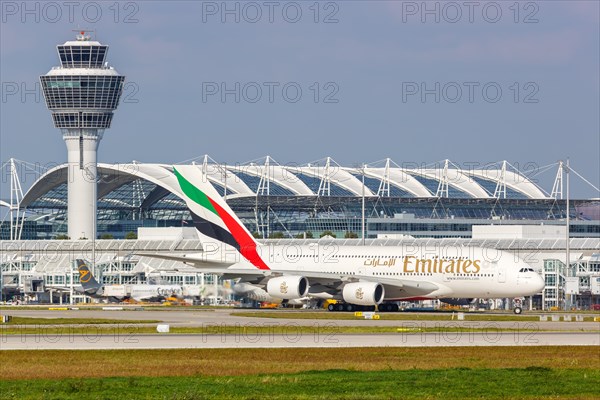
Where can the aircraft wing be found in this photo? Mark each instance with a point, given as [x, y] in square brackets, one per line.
[394, 288]
[196, 262]
[401, 288]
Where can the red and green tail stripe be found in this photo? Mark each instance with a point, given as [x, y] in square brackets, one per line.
[235, 235]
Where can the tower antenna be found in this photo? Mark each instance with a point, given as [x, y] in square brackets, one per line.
[83, 35]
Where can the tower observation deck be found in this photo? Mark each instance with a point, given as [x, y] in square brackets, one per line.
[82, 94]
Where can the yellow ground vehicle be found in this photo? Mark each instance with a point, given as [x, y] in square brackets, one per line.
[327, 302]
[266, 304]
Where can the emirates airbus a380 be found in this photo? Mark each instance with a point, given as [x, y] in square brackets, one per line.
[356, 276]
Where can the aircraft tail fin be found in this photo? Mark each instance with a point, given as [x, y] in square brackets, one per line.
[86, 278]
[214, 220]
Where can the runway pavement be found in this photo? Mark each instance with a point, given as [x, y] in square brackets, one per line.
[209, 317]
[295, 339]
[322, 332]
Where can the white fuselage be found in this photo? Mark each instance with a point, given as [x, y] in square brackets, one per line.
[461, 272]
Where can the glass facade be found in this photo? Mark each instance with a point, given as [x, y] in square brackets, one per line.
[554, 273]
[375, 184]
[433, 184]
[490, 188]
[84, 56]
[140, 203]
[82, 92]
[82, 120]
[256, 185]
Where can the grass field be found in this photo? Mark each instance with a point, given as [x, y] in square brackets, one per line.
[411, 373]
[464, 384]
[41, 364]
[78, 321]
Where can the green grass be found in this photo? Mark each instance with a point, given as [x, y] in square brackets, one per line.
[537, 372]
[448, 383]
[77, 321]
[232, 362]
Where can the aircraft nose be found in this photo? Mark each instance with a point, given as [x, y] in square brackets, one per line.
[539, 283]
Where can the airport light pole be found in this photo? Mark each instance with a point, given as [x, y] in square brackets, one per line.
[568, 238]
[363, 206]
[71, 282]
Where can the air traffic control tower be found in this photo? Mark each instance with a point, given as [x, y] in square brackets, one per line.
[82, 95]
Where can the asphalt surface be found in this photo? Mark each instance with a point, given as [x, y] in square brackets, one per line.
[211, 317]
[321, 334]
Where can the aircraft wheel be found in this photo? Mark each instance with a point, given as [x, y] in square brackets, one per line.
[331, 307]
[340, 307]
[395, 308]
[518, 310]
[383, 307]
[349, 307]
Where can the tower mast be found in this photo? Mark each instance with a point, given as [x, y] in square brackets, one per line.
[82, 94]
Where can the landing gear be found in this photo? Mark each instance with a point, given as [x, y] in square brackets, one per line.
[388, 307]
[518, 310]
[349, 307]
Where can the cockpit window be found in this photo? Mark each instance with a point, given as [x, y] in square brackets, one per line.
[526, 270]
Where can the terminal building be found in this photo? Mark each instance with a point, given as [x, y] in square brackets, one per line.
[44, 270]
[83, 205]
[494, 208]
[276, 201]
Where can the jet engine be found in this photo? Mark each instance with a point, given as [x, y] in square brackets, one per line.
[288, 287]
[363, 293]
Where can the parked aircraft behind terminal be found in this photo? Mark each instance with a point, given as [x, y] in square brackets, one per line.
[356, 276]
[137, 292]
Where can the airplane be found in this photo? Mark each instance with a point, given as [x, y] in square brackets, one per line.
[358, 277]
[137, 292]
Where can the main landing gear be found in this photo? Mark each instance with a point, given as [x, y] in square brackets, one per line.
[383, 307]
[349, 307]
[388, 307]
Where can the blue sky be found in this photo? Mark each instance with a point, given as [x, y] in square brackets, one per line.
[370, 68]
